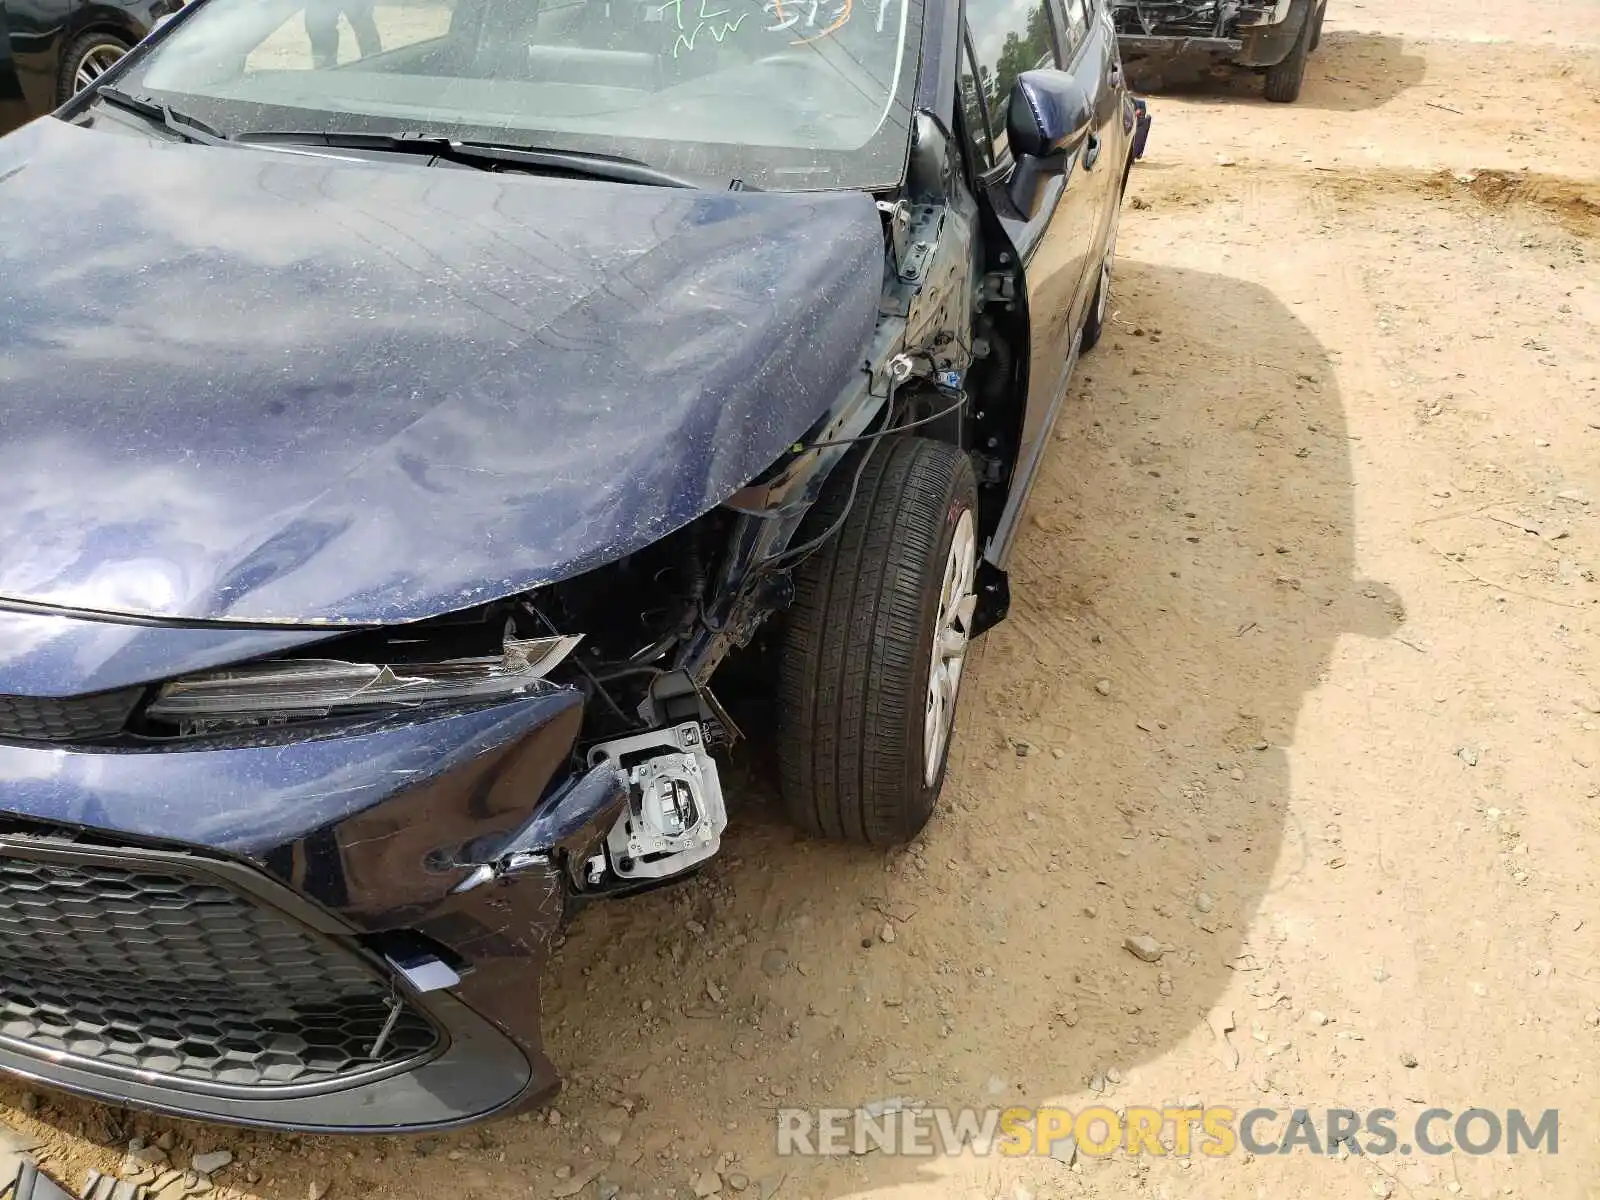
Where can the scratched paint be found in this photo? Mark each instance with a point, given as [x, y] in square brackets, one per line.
[526, 377]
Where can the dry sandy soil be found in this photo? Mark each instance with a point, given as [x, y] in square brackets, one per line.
[1324, 510]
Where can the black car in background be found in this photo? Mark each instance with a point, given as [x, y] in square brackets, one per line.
[50, 49]
[1272, 37]
[421, 422]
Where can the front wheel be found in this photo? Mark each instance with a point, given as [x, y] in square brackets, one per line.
[86, 59]
[875, 644]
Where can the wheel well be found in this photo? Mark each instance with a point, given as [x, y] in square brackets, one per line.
[109, 21]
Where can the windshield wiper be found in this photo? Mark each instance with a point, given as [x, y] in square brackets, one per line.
[485, 155]
[189, 128]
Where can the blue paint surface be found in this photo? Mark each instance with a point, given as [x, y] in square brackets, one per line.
[252, 385]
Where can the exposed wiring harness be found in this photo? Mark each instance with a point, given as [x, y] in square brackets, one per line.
[795, 554]
[583, 669]
[961, 398]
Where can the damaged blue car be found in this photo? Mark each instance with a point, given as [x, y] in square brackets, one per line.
[419, 422]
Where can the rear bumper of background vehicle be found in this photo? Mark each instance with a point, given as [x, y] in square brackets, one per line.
[148, 875]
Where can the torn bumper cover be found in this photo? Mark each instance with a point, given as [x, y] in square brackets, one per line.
[352, 938]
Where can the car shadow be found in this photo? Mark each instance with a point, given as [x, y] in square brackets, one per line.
[1349, 72]
[1190, 543]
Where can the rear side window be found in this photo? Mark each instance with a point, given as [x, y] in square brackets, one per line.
[1007, 39]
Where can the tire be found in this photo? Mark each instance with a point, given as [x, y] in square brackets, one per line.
[86, 59]
[1285, 79]
[1094, 323]
[1316, 28]
[856, 759]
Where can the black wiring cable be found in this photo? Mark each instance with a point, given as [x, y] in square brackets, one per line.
[600, 688]
[862, 437]
[794, 554]
[718, 627]
[715, 628]
[805, 549]
[628, 673]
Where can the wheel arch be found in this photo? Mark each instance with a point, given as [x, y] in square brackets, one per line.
[121, 22]
[104, 20]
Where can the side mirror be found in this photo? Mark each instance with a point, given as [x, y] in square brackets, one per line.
[1049, 113]
[1049, 116]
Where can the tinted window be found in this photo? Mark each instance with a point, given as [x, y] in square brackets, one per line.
[1007, 39]
[972, 115]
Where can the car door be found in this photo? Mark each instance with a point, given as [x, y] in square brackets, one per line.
[13, 107]
[36, 29]
[1059, 233]
[1100, 69]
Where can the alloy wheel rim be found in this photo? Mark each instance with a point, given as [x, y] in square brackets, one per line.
[952, 631]
[1105, 280]
[96, 61]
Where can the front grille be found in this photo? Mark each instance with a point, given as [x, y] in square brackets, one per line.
[67, 718]
[129, 967]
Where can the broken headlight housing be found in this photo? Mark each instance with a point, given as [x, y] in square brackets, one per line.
[277, 691]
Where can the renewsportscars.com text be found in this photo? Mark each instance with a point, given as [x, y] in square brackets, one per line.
[1213, 1131]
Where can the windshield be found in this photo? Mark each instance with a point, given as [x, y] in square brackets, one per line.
[785, 94]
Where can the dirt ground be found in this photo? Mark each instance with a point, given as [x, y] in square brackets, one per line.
[1324, 512]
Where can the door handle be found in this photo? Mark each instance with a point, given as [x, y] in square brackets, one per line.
[1091, 153]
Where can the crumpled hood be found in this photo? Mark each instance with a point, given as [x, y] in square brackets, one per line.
[257, 386]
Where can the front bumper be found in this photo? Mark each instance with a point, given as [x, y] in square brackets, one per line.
[360, 841]
[1159, 45]
[1258, 45]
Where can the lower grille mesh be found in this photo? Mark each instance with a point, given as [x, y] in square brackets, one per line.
[67, 718]
[157, 971]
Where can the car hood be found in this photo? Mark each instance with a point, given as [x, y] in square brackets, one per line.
[262, 386]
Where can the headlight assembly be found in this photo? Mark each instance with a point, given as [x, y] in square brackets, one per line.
[281, 690]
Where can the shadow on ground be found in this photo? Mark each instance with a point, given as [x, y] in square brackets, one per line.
[1349, 72]
[1190, 541]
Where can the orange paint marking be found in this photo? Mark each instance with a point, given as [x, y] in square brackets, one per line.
[849, 7]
